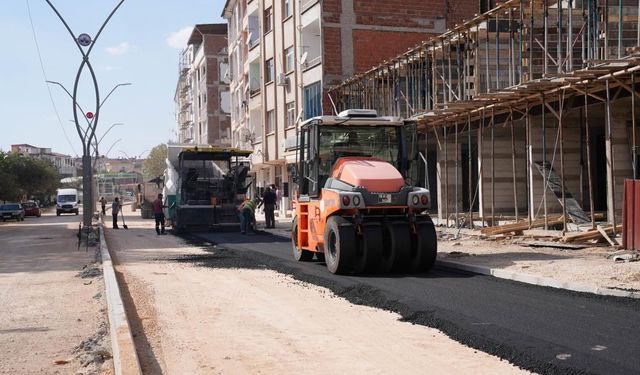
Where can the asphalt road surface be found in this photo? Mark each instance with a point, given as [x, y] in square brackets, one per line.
[545, 330]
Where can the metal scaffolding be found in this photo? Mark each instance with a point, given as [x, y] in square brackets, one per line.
[522, 59]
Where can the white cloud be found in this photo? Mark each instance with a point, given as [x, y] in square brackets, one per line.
[178, 39]
[119, 50]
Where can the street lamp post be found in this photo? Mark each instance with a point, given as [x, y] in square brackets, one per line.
[82, 41]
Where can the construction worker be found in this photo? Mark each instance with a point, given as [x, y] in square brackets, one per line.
[115, 209]
[248, 215]
[158, 213]
[269, 200]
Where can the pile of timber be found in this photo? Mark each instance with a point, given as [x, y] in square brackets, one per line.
[517, 228]
[593, 234]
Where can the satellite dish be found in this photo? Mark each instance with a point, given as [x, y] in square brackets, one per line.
[303, 58]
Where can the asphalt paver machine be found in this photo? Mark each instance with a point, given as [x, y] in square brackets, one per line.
[204, 186]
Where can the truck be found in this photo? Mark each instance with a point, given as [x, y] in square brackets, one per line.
[203, 186]
[357, 207]
[67, 201]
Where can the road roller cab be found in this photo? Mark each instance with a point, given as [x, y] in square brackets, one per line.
[358, 207]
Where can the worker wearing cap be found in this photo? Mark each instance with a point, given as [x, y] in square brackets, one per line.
[248, 215]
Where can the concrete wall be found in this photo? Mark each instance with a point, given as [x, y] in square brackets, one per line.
[499, 184]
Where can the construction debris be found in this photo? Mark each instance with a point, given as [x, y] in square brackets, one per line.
[593, 234]
[625, 256]
[519, 227]
[556, 245]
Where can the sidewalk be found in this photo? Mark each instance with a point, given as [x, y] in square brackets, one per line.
[585, 270]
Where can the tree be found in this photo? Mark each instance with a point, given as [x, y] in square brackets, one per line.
[20, 175]
[155, 164]
[8, 184]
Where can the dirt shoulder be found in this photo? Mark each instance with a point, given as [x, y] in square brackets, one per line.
[589, 266]
[206, 320]
[53, 317]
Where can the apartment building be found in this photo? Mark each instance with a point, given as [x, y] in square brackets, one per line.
[202, 94]
[284, 55]
[63, 163]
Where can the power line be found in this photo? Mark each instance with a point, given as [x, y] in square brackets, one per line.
[44, 74]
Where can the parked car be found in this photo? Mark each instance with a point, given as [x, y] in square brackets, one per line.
[31, 208]
[12, 211]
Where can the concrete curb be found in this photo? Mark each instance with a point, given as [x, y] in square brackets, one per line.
[125, 358]
[537, 280]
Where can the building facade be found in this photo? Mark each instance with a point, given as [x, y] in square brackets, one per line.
[284, 55]
[63, 163]
[202, 96]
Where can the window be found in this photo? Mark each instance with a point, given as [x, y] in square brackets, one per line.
[268, 71]
[268, 19]
[271, 119]
[291, 114]
[312, 100]
[286, 8]
[289, 59]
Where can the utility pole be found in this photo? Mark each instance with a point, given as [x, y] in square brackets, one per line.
[85, 41]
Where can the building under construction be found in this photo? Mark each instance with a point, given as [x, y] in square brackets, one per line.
[528, 111]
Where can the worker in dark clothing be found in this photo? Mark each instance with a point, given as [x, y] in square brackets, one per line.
[269, 200]
[158, 213]
[103, 204]
[115, 209]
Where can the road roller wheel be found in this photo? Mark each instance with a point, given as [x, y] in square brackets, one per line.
[388, 255]
[426, 243]
[339, 245]
[298, 254]
[369, 249]
[401, 239]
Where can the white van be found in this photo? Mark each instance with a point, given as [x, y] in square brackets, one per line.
[67, 201]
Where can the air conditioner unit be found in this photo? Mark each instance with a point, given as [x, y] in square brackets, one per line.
[283, 80]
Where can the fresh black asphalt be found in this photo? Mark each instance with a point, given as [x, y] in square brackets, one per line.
[544, 330]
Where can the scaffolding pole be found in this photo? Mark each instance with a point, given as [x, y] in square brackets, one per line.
[560, 125]
[470, 194]
[611, 175]
[544, 163]
[513, 165]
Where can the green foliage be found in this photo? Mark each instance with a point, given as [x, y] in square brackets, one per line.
[155, 165]
[20, 175]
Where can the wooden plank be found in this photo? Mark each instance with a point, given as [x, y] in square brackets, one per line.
[605, 235]
[520, 226]
[592, 234]
[542, 233]
[557, 245]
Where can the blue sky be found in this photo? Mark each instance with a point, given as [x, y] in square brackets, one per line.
[140, 45]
